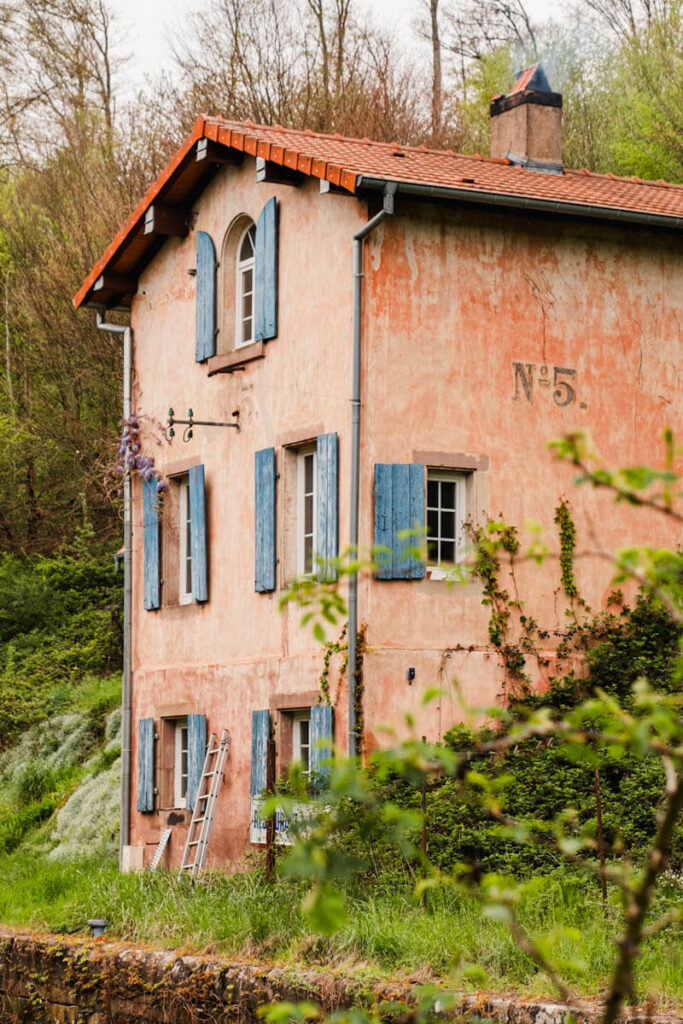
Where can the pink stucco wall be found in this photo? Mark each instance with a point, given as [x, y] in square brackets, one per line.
[452, 299]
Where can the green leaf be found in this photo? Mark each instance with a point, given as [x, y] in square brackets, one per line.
[325, 908]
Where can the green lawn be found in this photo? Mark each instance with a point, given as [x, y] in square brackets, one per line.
[387, 932]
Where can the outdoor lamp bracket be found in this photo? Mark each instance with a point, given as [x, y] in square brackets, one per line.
[191, 422]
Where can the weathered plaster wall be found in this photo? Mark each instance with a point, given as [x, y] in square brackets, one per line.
[55, 980]
[227, 657]
[453, 300]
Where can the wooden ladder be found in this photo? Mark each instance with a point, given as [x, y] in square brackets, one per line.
[196, 846]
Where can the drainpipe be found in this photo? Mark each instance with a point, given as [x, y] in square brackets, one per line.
[127, 589]
[387, 208]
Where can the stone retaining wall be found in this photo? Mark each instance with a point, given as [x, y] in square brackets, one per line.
[46, 979]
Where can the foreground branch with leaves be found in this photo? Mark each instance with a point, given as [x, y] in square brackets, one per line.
[647, 724]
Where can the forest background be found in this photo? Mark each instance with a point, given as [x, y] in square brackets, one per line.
[77, 150]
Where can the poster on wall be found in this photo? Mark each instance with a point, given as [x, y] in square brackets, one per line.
[284, 823]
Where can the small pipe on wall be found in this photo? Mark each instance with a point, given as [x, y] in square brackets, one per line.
[127, 589]
[387, 208]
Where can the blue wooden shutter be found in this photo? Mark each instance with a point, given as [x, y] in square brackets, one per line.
[205, 300]
[265, 276]
[150, 523]
[322, 738]
[145, 802]
[260, 734]
[399, 506]
[327, 486]
[198, 565]
[196, 752]
[265, 519]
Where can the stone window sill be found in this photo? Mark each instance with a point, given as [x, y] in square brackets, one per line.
[236, 360]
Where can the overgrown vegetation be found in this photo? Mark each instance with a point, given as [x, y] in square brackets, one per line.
[60, 623]
[387, 931]
[60, 656]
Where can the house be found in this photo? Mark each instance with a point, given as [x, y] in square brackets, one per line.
[387, 337]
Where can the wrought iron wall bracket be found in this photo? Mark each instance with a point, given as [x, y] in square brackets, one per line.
[191, 422]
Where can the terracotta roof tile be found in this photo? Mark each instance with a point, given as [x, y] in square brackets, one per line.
[351, 162]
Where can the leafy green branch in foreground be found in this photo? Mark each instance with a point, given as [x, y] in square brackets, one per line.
[648, 725]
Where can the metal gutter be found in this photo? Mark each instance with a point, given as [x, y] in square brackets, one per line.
[127, 590]
[554, 206]
[387, 209]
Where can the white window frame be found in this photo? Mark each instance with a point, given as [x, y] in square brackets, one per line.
[242, 267]
[180, 777]
[298, 746]
[184, 546]
[302, 495]
[439, 569]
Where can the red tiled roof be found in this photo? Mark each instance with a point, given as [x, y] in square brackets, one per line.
[353, 164]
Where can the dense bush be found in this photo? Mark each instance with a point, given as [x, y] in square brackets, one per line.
[60, 620]
[542, 777]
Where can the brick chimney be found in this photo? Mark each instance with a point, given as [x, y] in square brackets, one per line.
[526, 125]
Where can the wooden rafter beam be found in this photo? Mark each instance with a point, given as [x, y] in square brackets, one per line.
[166, 220]
[121, 283]
[266, 170]
[211, 153]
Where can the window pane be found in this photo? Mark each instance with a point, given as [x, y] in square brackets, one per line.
[247, 247]
[432, 523]
[447, 494]
[448, 525]
[188, 545]
[447, 551]
[432, 493]
[246, 307]
[308, 473]
[432, 551]
[308, 554]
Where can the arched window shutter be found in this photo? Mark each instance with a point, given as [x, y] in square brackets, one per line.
[327, 487]
[145, 802]
[196, 752]
[322, 739]
[205, 327]
[200, 580]
[265, 285]
[399, 506]
[265, 520]
[150, 525]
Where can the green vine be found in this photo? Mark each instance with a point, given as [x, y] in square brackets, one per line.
[332, 647]
[489, 542]
[359, 728]
[567, 532]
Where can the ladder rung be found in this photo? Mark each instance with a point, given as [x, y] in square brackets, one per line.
[202, 816]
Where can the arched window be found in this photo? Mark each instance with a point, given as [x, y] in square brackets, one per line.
[244, 288]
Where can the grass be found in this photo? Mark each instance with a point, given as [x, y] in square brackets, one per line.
[387, 933]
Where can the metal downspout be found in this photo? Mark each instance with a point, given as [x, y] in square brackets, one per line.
[127, 590]
[387, 208]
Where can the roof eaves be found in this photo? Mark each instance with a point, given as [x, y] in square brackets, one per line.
[453, 193]
[137, 216]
